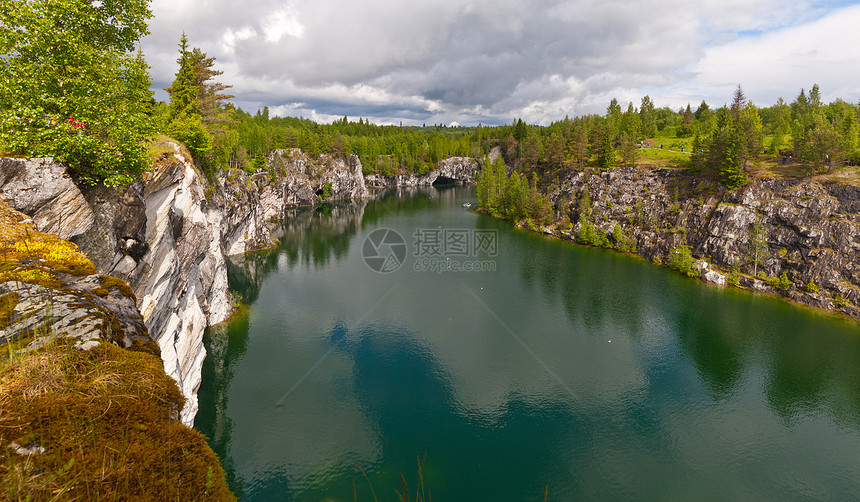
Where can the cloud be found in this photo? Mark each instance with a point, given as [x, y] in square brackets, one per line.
[492, 61]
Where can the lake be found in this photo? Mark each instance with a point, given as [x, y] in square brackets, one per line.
[407, 327]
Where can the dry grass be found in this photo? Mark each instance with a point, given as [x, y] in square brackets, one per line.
[845, 175]
[88, 425]
[107, 421]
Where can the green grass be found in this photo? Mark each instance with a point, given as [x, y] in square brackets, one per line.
[655, 157]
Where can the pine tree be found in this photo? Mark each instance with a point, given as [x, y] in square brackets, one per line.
[613, 118]
[199, 116]
[183, 92]
[732, 173]
[606, 153]
[648, 117]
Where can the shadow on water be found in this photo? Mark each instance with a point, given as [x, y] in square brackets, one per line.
[809, 359]
[225, 345]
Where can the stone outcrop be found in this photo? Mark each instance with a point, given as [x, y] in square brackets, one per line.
[462, 170]
[41, 189]
[161, 237]
[811, 229]
[49, 290]
[295, 179]
[169, 234]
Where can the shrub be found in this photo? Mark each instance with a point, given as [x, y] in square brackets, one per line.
[681, 259]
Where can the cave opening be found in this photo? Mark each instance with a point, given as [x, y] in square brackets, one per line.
[444, 180]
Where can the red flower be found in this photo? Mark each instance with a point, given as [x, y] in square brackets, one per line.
[75, 123]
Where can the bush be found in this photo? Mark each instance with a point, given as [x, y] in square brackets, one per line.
[681, 259]
[592, 236]
[623, 242]
[811, 287]
[783, 282]
[189, 129]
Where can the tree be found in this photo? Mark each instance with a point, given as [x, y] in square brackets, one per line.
[757, 247]
[198, 108]
[73, 86]
[648, 117]
[613, 118]
[555, 151]
[629, 149]
[183, 92]
[739, 100]
[631, 124]
[686, 127]
[530, 148]
[579, 145]
[703, 112]
[606, 150]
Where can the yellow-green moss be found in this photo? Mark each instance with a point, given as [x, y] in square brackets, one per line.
[108, 282]
[107, 419]
[27, 255]
[7, 306]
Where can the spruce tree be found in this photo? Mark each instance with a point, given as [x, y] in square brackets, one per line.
[606, 153]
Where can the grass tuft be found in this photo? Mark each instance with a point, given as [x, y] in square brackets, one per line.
[107, 421]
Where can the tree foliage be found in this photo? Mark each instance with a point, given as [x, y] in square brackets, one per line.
[72, 85]
[514, 197]
[199, 113]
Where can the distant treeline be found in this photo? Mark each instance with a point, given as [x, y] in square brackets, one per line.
[98, 115]
[724, 141]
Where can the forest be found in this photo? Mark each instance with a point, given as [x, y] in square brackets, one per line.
[98, 116]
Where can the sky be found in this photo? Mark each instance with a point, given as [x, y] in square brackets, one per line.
[493, 61]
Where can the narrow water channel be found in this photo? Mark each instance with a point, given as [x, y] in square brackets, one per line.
[515, 364]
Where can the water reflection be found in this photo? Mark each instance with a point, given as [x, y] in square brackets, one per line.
[590, 372]
[308, 236]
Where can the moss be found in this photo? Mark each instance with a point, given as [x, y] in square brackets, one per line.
[7, 307]
[27, 255]
[107, 421]
[108, 283]
[145, 346]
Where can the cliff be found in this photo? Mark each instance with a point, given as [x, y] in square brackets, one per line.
[87, 410]
[169, 235]
[462, 170]
[809, 229]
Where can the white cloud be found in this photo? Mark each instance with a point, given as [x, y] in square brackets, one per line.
[780, 62]
[492, 61]
[232, 37]
[284, 21]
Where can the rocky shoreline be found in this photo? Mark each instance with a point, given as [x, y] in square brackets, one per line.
[810, 230]
[169, 235]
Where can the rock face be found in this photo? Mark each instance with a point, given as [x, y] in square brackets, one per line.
[76, 312]
[161, 237]
[811, 230]
[41, 189]
[462, 170]
[294, 179]
[169, 234]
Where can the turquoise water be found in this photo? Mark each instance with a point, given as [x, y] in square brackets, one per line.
[553, 368]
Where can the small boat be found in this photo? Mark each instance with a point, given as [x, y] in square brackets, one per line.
[468, 204]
